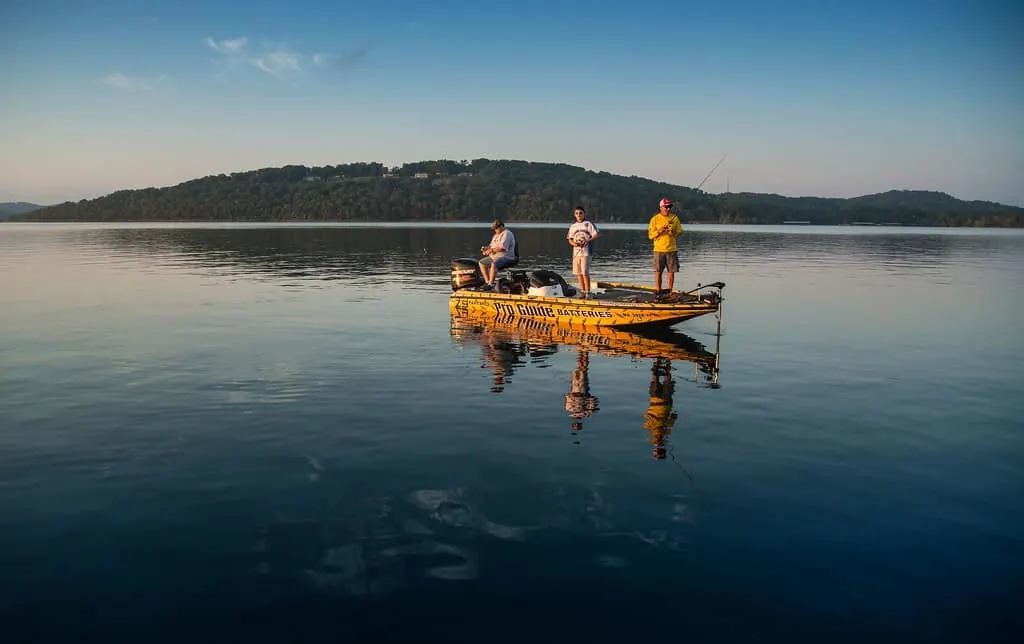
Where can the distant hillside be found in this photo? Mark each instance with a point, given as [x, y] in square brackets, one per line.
[10, 208]
[903, 207]
[483, 189]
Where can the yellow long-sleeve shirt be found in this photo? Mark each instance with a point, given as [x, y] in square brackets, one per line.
[664, 242]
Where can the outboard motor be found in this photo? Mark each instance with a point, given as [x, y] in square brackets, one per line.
[466, 273]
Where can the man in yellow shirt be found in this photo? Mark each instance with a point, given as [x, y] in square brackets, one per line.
[663, 229]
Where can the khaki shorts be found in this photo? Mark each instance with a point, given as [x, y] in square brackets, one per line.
[666, 261]
[581, 265]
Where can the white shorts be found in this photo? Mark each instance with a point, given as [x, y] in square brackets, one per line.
[581, 265]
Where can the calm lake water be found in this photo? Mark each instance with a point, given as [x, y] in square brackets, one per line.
[278, 433]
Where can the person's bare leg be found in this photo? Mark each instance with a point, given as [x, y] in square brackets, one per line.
[671, 280]
[585, 283]
[657, 280]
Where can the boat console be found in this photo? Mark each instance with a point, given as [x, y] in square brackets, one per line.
[466, 275]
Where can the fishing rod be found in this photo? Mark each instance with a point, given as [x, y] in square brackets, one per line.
[710, 172]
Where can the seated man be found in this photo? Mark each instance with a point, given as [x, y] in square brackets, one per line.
[500, 253]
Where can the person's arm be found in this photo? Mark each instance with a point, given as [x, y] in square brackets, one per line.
[597, 231]
[677, 226]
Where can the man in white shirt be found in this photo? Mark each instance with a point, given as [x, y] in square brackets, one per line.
[499, 253]
[580, 235]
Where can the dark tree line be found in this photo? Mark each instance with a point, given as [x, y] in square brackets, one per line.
[482, 189]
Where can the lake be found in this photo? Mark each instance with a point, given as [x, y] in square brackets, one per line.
[278, 432]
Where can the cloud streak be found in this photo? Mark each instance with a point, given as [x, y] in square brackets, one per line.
[278, 63]
[228, 47]
[133, 83]
[279, 60]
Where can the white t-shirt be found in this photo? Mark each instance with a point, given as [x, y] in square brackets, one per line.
[506, 240]
[586, 226]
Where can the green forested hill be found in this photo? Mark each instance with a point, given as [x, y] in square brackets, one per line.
[483, 189]
[9, 209]
[905, 207]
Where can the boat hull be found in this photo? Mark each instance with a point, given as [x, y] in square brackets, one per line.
[576, 312]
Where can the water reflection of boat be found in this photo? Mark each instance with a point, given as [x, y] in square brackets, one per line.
[579, 402]
[660, 418]
[530, 337]
[506, 346]
[502, 354]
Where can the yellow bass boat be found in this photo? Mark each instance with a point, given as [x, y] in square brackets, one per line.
[545, 296]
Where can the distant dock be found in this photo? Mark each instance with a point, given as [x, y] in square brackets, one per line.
[796, 222]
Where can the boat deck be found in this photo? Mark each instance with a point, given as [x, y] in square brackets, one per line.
[614, 292]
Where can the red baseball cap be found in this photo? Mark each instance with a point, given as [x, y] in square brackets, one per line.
[665, 202]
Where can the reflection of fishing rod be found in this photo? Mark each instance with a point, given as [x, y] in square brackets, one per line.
[710, 172]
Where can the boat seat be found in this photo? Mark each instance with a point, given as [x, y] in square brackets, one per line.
[515, 258]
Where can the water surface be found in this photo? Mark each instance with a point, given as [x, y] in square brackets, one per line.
[279, 432]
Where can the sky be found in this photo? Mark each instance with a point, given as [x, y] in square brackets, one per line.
[826, 98]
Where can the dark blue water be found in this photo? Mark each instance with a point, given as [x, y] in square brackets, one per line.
[278, 434]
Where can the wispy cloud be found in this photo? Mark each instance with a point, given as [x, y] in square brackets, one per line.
[230, 53]
[278, 59]
[133, 83]
[278, 62]
[231, 46]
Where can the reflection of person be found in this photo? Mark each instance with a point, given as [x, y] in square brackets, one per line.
[501, 355]
[499, 253]
[660, 417]
[580, 235]
[579, 403]
[663, 229]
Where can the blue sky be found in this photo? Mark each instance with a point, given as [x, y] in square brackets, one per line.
[806, 98]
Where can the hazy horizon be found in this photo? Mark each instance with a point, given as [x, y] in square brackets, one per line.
[838, 100]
